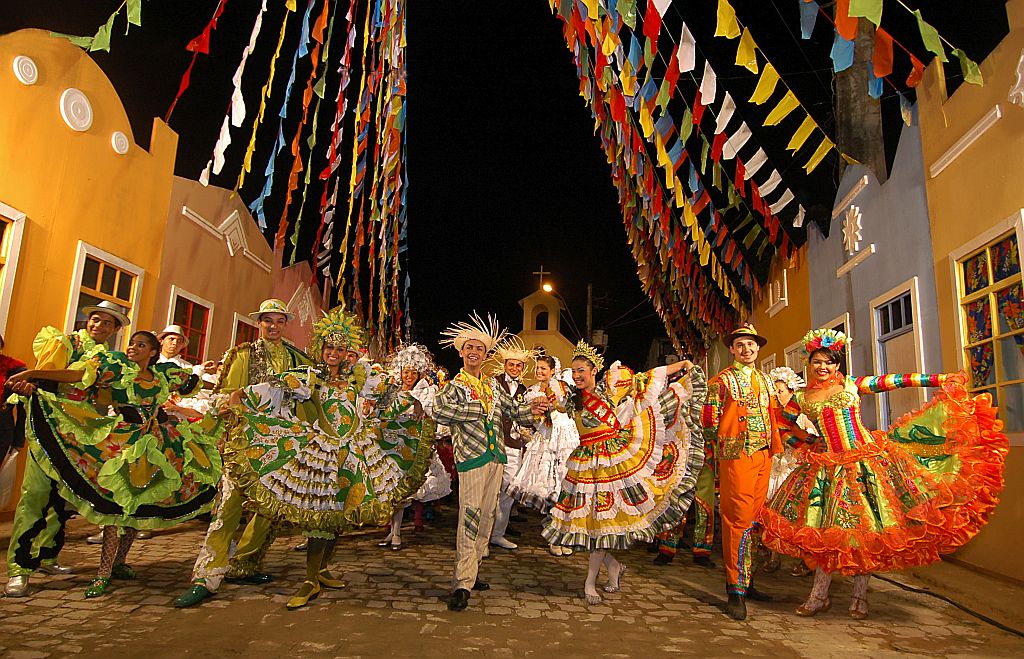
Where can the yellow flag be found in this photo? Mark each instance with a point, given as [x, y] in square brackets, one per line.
[801, 134]
[766, 85]
[646, 121]
[746, 52]
[727, 25]
[610, 43]
[591, 9]
[819, 155]
[785, 106]
[688, 217]
[680, 195]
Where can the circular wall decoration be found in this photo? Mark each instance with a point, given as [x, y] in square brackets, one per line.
[76, 109]
[25, 70]
[119, 141]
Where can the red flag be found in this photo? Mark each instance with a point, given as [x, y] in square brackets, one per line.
[718, 145]
[741, 173]
[617, 104]
[672, 75]
[698, 109]
[882, 59]
[652, 23]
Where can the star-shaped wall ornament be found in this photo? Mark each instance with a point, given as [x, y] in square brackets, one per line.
[852, 230]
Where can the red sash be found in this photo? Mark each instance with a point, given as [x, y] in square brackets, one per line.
[601, 410]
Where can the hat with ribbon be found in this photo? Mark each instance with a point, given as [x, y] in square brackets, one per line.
[744, 331]
[273, 305]
[109, 308]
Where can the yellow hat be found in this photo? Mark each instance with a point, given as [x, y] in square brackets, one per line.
[744, 331]
[273, 305]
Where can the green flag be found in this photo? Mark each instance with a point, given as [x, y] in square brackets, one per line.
[869, 9]
[102, 39]
[930, 37]
[972, 73]
[134, 12]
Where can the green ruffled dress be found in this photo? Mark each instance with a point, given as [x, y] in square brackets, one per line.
[303, 456]
[136, 466]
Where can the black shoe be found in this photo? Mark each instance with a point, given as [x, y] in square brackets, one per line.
[736, 607]
[254, 579]
[458, 600]
[481, 585]
[703, 561]
[757, 595]
[663, 559]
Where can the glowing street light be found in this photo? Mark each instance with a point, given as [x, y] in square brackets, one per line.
[547, 288]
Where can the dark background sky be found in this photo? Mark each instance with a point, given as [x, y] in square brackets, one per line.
[505, 171]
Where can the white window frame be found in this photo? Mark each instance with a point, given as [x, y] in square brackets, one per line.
[909, 286]
[234, 326]
[1014, 222]
[13, 246]
[778, 301]
[794, 349]
[85, 249]
[177, 292]
[768, 363]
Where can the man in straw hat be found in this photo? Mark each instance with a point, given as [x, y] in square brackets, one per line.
[37, 534]
[739, 419]
[245, 364]
[173, 342]
[515, 358]
[474, 408]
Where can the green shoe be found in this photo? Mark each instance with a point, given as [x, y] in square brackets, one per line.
[194, 595]
[97, 587]
[122, 571]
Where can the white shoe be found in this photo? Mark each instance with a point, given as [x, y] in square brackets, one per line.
[95, 539]
[16, 587]
[504, 543]
[566, 551]
[554, 550]
[55, 568]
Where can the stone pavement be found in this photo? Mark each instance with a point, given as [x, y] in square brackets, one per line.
[393, 606]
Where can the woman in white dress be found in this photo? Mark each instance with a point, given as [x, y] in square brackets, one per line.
[539, 479]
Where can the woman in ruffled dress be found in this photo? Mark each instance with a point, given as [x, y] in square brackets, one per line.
[864, 501]
[303, 457]
[136, 469]
[634, 472]
[545, 460]
[406, 420]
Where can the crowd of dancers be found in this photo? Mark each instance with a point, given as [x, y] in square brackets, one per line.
[321, 445]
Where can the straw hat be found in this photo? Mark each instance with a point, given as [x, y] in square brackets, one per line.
[109, 308]
[173, 329]
[744, 331]
[273, 305]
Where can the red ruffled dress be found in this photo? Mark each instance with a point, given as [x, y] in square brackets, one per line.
[864, 501]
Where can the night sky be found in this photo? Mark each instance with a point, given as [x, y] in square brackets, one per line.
[505, 172]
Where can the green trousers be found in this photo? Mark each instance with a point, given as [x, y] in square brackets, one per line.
[37, 535]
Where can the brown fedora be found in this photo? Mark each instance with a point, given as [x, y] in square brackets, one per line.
[744, 331]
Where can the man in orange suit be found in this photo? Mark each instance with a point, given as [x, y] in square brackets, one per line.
[738, 418]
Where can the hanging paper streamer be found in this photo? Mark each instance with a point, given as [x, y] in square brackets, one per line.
[101, 40]
[200, 44]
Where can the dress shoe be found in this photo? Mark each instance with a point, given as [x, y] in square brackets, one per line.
[95, 539]
[504, 543]
[327, 580]
[17, 586]
[663, 559]
[813, 606]
[143, 535]
[757, 595]
[458, 600]
[97, 587]
[554, 550]
[194, 595]
[254, 579]
[481, 585]
[704, 561]
[302, 546]
[122, 571]
[309, 590]
[736, 607]
[55, 569]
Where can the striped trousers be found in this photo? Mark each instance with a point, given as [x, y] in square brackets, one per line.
[478, 499]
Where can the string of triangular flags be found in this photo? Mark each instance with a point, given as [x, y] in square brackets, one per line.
[101, 40]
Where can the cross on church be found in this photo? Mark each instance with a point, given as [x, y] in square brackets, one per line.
[540, 275]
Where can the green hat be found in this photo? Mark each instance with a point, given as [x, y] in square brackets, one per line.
[273, 305]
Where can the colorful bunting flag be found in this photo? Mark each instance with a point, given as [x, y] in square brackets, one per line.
[746, 52]
[869, 9]
[765, 85]
[727, 25]
[970, 68]
[808, 17]
[930, 37]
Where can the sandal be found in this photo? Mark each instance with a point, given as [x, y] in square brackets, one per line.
[97, 587]
[856, 612]
[614, 588]
[593, 599]
[309, 590]
[808, 609]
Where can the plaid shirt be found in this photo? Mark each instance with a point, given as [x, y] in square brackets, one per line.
[473, 409]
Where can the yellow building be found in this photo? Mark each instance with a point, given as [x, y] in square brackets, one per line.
[782, 313]
[972, 141]
[542, 323]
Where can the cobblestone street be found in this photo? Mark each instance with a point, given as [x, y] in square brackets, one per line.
[394, 606]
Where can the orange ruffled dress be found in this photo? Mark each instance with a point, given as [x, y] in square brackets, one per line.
[864, 501]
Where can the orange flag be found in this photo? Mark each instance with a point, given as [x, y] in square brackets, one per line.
[846, 25]
[882, 59]
[914, 79]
